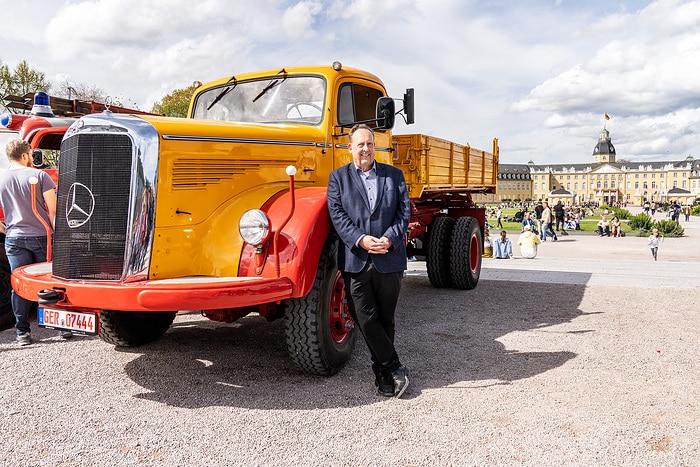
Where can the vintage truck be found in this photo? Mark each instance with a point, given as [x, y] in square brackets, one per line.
[41, 120]
[224, 212]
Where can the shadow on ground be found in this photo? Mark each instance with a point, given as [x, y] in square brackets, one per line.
[445, 336]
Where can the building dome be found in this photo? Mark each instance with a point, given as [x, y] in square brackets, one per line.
[604, 150]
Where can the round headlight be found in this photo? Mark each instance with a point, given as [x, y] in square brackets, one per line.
[254, 227]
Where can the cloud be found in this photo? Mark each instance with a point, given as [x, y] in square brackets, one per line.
[539, 75]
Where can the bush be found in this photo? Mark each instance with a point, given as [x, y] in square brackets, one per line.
[641, 222]
[669, 228]
[621, 214]
[695, 211]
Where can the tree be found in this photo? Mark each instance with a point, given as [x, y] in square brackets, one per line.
[81, 91]
[22, 80]
[175, 104]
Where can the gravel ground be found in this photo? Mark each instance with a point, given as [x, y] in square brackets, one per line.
[587, 355]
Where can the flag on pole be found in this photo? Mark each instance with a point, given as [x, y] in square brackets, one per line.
[607, 117]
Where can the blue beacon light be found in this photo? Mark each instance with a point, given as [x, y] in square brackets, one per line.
[42, 105]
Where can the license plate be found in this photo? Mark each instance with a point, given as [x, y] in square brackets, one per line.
[64, 320]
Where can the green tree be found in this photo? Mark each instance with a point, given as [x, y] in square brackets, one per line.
[175, 104]
[22, 80]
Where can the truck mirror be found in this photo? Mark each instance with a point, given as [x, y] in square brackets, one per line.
[385, 113]
[38, 159]
[408, 107]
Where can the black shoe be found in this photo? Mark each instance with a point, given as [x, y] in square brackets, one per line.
[385, 385]
[400, 376]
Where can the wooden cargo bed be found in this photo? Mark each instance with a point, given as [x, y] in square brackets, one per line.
[432, 164]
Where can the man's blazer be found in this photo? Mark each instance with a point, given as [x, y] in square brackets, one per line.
[351, 216]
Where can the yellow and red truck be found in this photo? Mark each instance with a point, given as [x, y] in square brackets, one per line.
[225, 211]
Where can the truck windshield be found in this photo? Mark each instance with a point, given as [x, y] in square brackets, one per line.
[280, 99]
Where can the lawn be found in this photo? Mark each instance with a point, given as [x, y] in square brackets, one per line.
[588, 224]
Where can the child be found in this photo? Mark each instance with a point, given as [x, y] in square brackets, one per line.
[654, 240]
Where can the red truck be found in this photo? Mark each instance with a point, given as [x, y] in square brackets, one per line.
[225, 212]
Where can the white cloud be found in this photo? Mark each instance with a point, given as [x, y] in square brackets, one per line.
[538, 75]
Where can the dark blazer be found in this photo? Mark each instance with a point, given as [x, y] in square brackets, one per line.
[349, 209]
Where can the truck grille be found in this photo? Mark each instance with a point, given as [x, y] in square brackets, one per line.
[93, 206]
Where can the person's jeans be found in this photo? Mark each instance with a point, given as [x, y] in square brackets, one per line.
[547, 230]
[20, 252]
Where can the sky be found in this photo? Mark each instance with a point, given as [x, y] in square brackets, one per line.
[539, 75]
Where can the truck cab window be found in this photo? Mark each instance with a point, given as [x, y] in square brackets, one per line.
[357, 103]
[286, 99]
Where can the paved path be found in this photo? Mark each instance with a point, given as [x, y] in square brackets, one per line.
[585, 258]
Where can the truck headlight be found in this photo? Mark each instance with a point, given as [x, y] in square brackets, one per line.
[254, 227]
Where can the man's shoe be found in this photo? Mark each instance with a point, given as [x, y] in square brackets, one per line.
[400, 376]
[65, 334]
[385, 385]
[24, 339]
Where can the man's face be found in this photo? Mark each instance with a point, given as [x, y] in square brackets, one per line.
[361, 145]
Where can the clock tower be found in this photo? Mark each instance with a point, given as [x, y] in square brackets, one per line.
[604, 151]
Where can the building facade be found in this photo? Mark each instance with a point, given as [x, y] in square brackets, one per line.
[603, 181]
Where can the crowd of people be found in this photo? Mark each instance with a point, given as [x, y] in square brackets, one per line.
[540, 221]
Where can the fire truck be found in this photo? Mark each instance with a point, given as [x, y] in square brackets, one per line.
[41, 120]
[224, 212]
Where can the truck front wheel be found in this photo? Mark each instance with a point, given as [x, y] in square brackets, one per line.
[465, 253]
[319, 328]
[129, 328]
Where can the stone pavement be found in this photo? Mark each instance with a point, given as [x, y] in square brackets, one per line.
[584, 258]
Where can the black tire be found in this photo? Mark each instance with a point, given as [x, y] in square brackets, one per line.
[465, 253]
[129, 328]
[319, 329]
[438, 259]
[7, 317]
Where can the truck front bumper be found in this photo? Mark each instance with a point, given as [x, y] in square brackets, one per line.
[185, 293]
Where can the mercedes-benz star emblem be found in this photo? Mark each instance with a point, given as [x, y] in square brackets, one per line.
[79, 206]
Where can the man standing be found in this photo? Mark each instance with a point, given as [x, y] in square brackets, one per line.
[370, 210]
[559, 216]
[547, 223]
[27, 225]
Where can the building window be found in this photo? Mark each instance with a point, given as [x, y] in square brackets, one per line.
[628, 185]
[653, 185]
[683, 185]
[636, 185]
[598, 185]
[583, 186]
[575, 185]
[675, 174]
[612, 184]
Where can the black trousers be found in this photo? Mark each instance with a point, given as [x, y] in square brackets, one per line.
[372, 298]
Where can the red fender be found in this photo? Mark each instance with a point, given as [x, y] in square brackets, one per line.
[300, 242]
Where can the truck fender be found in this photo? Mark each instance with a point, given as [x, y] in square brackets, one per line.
[300, 242]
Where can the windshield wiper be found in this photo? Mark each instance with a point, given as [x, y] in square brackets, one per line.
[274, 82]
[224, 92]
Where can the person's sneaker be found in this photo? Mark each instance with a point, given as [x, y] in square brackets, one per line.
[400, 376]
[385, 385]
[65, 334]
[24, 339]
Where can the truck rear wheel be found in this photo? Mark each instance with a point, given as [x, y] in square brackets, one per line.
[319, 328]
[129, 328]
[7, 317]
[438, 259]
[465, 253]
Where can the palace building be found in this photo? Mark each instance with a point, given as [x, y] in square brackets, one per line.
[603, 181]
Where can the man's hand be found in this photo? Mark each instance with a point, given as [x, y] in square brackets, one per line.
[374, 245]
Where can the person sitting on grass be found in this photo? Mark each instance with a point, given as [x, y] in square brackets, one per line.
[615, 227]
[604, 227]
[528, 242]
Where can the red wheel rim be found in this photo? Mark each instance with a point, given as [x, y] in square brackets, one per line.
[340, 320]
[474, 253]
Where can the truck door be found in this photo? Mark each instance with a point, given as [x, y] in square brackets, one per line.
[358, 103]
